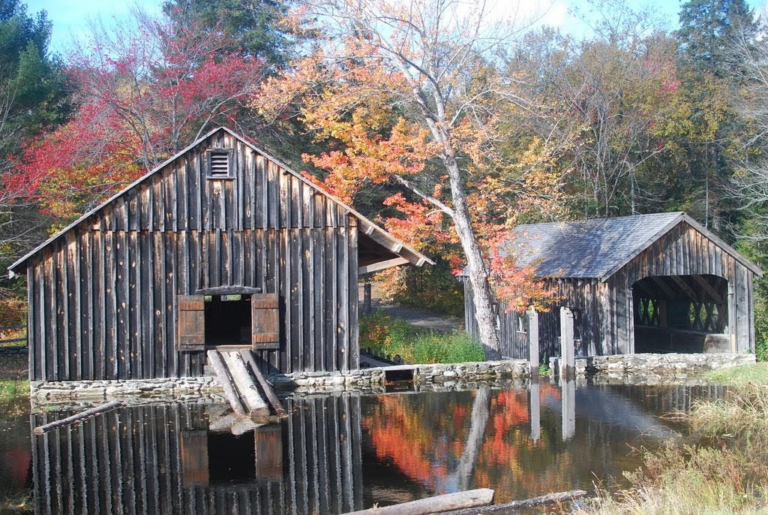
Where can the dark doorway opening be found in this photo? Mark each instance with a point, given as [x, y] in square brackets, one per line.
[686, 313]
[227, 320]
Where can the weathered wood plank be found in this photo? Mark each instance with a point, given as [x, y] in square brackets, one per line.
[79, 417]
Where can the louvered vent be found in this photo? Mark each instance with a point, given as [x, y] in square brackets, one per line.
[220, 164]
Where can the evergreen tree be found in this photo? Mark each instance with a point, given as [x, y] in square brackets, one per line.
[710, 75]
[252, 26]
[32, 97]
[707, 29]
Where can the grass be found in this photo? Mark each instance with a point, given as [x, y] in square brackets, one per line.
[384, 334]
[739, 376]
[23, 502]
[724, 471]
[11, 389]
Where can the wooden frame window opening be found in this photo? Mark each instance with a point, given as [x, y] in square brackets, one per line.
[228, 319]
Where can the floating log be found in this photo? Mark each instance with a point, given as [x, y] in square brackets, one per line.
[79, 417]
[437, 504]
[556, 497]
[265, 386]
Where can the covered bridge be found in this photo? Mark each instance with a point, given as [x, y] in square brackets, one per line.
[644, 283]
[220, 246]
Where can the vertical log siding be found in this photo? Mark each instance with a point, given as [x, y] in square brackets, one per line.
[103, 299]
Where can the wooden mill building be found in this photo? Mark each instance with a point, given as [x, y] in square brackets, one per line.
[220, 246]
[644, 283]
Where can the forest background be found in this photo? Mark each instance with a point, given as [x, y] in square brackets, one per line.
[448, 122]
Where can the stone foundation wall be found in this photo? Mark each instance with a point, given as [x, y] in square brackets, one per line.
[652, 368]
[655, 364]
[373, 379]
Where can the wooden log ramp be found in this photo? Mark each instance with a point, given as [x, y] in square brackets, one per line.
[246, 390]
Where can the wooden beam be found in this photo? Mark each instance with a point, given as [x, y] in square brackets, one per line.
[661, 284]
[686, 289]
[381, 265]
[708, 288]
[437, 504]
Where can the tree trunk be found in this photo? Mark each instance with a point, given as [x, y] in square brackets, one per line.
[478, 275]
[479, 419]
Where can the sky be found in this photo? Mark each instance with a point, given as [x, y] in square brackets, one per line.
[70, 17]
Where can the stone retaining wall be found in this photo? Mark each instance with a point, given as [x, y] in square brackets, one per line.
[372, 379]
[663, 365]
[652, 368]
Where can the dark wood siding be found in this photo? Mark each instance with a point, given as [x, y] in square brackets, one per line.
[104, 299]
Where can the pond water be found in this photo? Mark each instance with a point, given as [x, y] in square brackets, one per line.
[338, 453]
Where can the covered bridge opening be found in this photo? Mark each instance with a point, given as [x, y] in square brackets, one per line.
[683, 313]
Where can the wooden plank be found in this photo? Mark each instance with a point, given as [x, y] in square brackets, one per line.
[332, 293]
[300, 262]
[158, 344]
[381, 265]
[318, 273]
[32, 318]
[74, 249]
[123, 301]
[309, 300]
[265, 321]
[342, 278]
[134, 299]
[190, 323]
[353, 348]
[110, 308]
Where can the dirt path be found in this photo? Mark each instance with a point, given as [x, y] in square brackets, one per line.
[421, 318]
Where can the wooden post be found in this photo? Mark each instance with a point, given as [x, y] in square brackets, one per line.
[367, 305]
[568, 402]
[533, 340]
[567, 351]
[535, 409]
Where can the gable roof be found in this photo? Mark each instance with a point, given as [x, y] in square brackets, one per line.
[405, 252]
[596, 249]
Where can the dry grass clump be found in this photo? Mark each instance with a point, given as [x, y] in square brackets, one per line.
[743, 412]
[726, 474]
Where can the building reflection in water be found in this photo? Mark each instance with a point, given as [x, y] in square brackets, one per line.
[345, 452]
